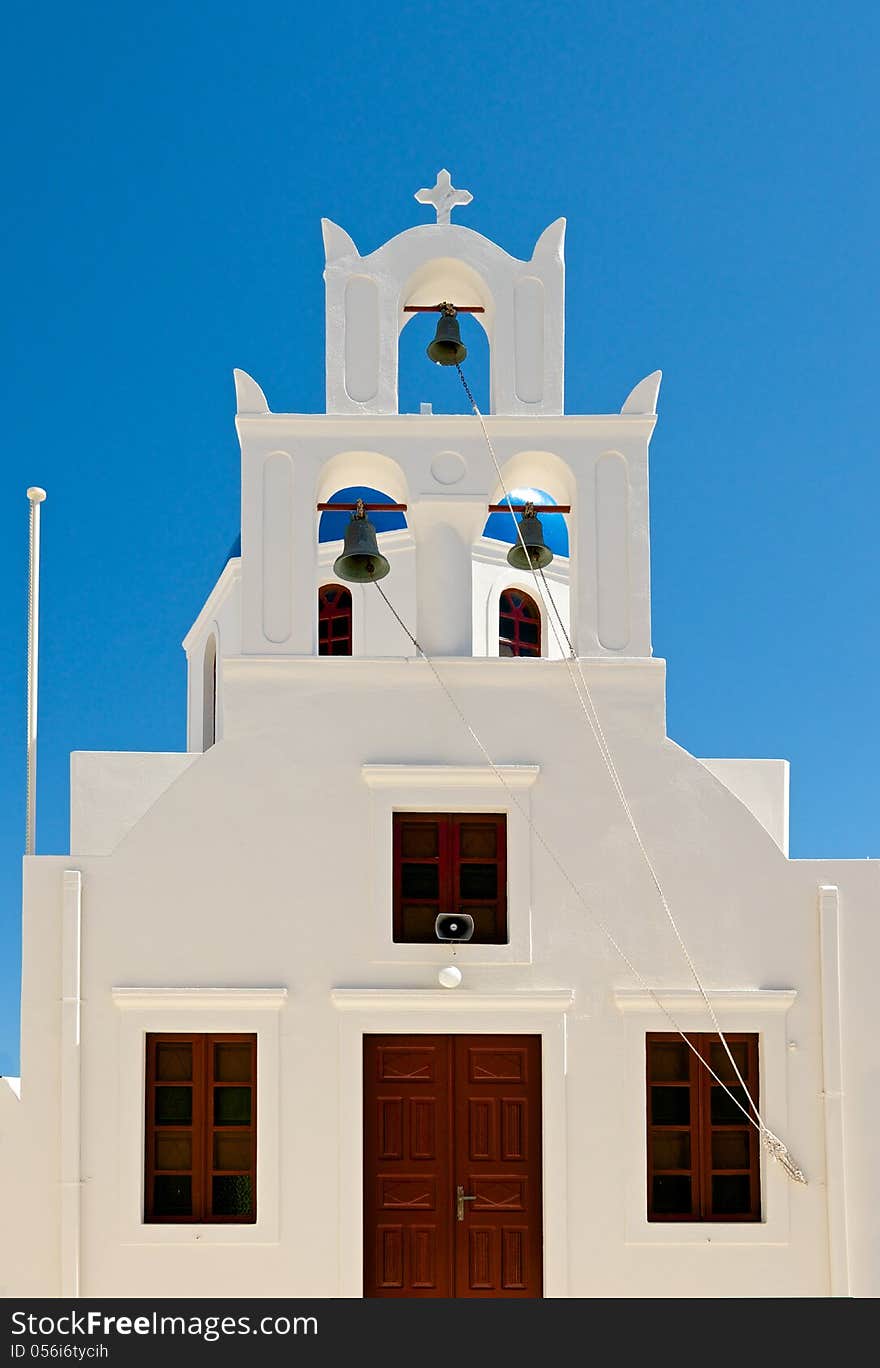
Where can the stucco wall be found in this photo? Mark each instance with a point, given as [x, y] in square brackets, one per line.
[258, 868]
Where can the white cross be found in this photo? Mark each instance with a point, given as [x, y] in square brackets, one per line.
[443, 196]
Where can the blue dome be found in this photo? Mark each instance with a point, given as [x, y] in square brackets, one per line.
[332, 525]
[501, 525]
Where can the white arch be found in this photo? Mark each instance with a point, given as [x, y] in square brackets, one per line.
[536, 470]
[371, 468]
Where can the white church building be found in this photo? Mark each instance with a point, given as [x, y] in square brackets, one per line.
[406, 979]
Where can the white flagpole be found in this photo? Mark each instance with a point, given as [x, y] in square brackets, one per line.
[35, 497]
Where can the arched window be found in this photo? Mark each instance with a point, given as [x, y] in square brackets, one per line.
[209, 694]
[519, 624]
[334, 620]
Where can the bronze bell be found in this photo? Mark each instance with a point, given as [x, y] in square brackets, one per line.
[536, 554]
[447, 348]
[361, 560]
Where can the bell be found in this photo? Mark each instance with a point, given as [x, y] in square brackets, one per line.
[531, 553]
[361, 560]
[447, 348]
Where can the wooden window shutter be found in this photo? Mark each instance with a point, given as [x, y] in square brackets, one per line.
[703, 1153]
[201, 1128]
[449, 862]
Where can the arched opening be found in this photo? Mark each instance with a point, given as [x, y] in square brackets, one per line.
[519, 624]
[334, 620]
[421, 381]
[209, 694]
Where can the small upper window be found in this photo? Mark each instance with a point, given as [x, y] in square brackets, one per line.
[450, 863]
[519, 625]
[334, 620]
[703, 1155]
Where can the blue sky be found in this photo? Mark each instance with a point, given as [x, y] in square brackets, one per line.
[166, 168]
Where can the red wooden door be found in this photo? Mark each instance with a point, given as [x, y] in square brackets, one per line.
[443, 1115]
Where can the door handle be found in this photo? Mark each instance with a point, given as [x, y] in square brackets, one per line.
[460, 1198]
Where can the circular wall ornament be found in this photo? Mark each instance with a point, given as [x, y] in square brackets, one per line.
[448, 467]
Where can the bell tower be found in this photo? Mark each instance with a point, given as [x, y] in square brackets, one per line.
[521, 304]
[444, 471]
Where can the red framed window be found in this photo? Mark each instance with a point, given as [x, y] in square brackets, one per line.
[519, 624]
[450, 862]
[201, 1129]
[334, 620]
[703, 1154]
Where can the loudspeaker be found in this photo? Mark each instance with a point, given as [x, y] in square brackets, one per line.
[454, 926]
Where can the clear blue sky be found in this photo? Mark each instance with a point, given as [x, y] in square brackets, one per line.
[165, 169]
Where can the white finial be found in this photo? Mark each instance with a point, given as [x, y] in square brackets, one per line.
[443, 196]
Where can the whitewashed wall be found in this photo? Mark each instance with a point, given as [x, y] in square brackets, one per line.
[224, 883]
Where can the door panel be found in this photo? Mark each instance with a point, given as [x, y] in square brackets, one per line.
[407, 1166]
[442, 1112]
[498, 1160]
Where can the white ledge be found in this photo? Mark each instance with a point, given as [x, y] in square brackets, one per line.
[452, 1000]
[448, 776]
[722, 999]
[223, 999]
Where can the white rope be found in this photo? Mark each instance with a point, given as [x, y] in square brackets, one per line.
[772, 1143]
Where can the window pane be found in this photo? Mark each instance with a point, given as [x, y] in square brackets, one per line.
[505, 649]
[725, 1112]
[322, 630]
[173, 1151]
[672, 1195]
[339, 626]
[722, 1065]
[420, 881]
[417, 923]
[232, 1063]
[672, 1151]
[478, 840]
[668, 1061]
[173, 1062]
[478, 880]
[731, 1194]
[506, 627]
[232, 1151]
[329, 595]
[486, 925]
[232, 1196]
[172, 1196]
[420, 840]
[232, 1106]
[730, 1149]
[340, 648]
[173, 1105]
[670, 1106]
[528, 632]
